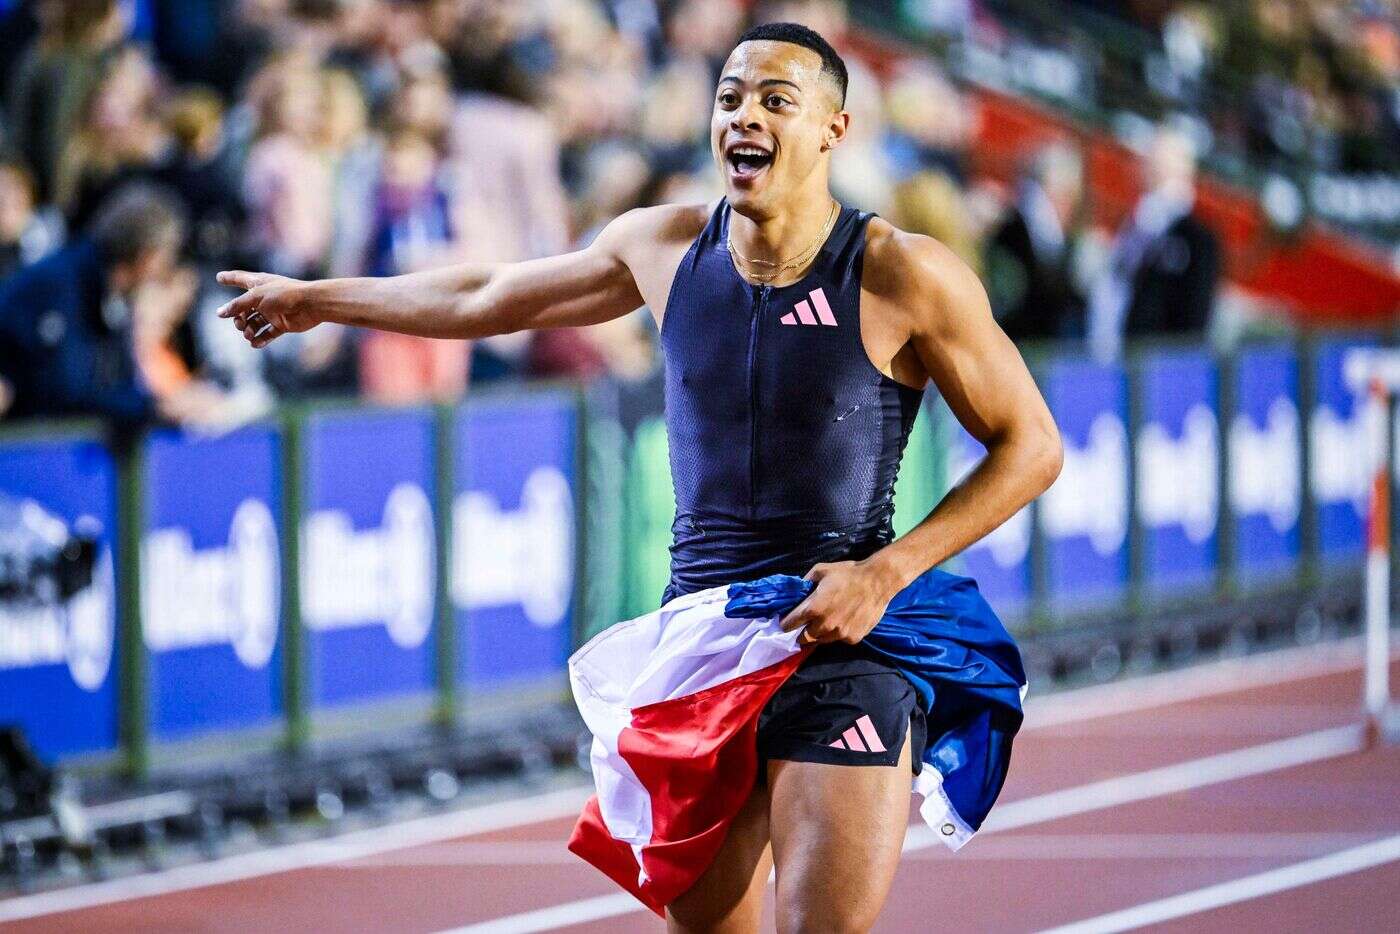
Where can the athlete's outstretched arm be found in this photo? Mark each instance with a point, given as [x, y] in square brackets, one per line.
[466, 301]
[985, 382]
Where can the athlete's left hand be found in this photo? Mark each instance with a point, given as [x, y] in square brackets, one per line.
[849, 599]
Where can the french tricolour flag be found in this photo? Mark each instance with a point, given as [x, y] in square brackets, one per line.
[672, 700]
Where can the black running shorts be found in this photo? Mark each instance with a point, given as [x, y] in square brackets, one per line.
[845, 705]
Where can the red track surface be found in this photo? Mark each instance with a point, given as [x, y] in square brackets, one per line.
[1050, 869]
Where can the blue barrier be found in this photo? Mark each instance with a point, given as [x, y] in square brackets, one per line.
[1339, 478]
[1083, 517]
[513, 539]
[58, 662]
[1266, 462]
[227, 646]
[210, 581]
[1177, 471]
[368, 548]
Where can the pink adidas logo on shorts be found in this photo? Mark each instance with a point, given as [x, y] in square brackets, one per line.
[803, 311]
[860, 737]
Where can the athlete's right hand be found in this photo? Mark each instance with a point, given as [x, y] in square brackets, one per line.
[271, 306]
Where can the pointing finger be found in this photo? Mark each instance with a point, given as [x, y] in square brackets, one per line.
[240, 306]
[240, 279]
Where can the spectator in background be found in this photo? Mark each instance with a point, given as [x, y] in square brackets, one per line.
[289, 186]
[288, 183]
[1029, 257]
[27, 234]
[193, 170]
[354, 155]
[86, 331]
[923, 148]
[55, 77]
[929, 123]
[504, 164]
[118, 136]
[861, 173]
[412, 231]
[1165, 263]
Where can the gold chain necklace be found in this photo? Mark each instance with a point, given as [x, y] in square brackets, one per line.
[779, 268]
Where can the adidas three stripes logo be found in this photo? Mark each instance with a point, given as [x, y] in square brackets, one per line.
[803, 311]
[860, 737]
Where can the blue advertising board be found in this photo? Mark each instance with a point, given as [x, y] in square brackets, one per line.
[58, 658]
[1177, 480]
[1000, 561]
[1266, 462]
[513, 539]
[210, 581]
[1083, 517]
[1338, 475]
[368, 548]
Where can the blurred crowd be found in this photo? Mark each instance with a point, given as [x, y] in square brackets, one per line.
[148, 143]
[1288, 82]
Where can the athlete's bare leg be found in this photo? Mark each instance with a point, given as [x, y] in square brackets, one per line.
[837, 832]
[728, 898]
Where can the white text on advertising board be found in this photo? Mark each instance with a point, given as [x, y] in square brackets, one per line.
[214, 596]
[523, 557]
[376, 576]
[1265, 466]
[1090, 498]
[1178, 479]
[1339, 471]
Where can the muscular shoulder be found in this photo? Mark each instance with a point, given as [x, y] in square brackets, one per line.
[642, 230]
[920, 276]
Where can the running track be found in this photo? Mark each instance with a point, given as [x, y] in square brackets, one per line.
[1232, 797]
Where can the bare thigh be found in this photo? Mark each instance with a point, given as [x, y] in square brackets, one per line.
[837, 832]
[728, 898]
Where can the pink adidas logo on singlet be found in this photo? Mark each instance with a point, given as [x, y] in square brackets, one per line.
[860, 737]
[803, 311]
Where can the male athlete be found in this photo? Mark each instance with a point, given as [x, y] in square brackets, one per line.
[798, 336]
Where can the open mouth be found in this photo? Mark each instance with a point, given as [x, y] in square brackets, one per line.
[747, 162]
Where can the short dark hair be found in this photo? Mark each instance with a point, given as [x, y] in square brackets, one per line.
[136, 218]
[798, 34]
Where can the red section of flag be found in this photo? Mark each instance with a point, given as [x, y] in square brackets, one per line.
[697, 758]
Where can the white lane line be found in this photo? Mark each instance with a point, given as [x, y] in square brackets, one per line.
[1155, 783]
[354, 845]
[1140, 693]
[1034, 847]
[1210, 679]
[1112, 792]
[1356, 859]
[558, 916]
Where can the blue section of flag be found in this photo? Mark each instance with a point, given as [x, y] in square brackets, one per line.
[960, 659]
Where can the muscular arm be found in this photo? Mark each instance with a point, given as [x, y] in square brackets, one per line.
[981, 375]
[985, 382]
[473, 300]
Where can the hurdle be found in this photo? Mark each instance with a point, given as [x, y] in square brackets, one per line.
[1373, 375]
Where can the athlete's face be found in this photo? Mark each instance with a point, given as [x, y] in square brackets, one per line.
[775, 121]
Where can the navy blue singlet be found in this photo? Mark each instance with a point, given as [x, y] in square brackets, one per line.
[785, 439]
